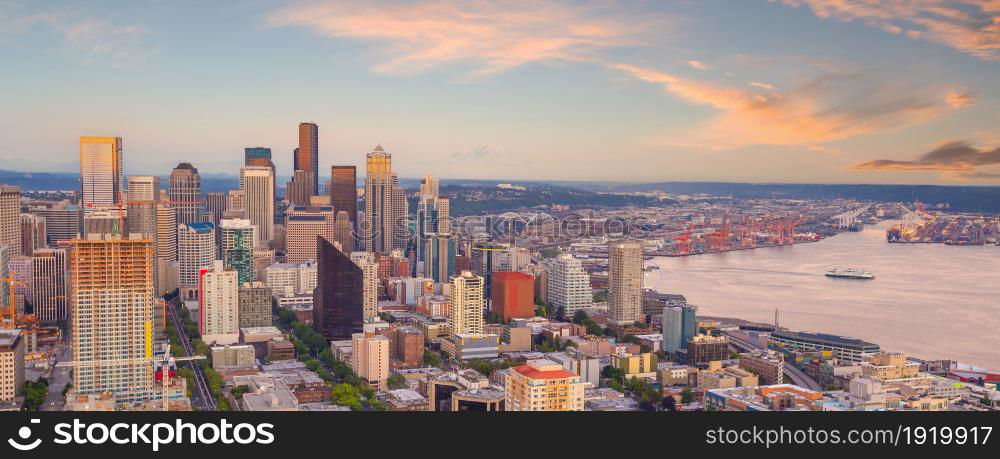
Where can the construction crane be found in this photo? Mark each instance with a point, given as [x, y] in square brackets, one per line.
[12, 319]
[165, 361]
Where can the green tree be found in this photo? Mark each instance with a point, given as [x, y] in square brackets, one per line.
[35, 393]
[347, 395]
[432, 359]
[397, 382]
[687, 396]
[579, 317]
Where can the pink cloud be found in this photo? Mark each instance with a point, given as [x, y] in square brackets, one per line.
[489, 36]
[970, 26]
[829, 108]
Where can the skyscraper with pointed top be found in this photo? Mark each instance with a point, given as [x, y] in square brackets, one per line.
[385, 205]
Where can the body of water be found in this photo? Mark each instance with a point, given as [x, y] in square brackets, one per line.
[928, 300]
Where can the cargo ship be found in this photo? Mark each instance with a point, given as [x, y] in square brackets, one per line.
[850, 273]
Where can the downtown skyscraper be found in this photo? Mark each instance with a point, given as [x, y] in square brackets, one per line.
[385, 205]
[185, 193]
[112, 316]
[257, 185]
[10, 219]
[344, 191]
[338, 301]
[625, 280]
[307, 155]
[237, 243]
[101, 178]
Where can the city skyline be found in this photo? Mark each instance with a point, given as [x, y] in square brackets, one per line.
[833, 92]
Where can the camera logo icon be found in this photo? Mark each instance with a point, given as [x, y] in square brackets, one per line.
[25, 433]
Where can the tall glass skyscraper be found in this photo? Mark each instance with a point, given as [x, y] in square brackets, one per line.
[338, 301]
[101, 178]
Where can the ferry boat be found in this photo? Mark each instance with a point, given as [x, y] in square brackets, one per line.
[849, 273]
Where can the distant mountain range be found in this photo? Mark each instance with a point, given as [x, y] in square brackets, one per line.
[984, 199]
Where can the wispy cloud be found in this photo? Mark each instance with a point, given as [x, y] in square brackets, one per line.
[489, 36]
[954, 159]
[97, 40]
[697, 65]
[767, 86]
[828, 108]
[970, 26]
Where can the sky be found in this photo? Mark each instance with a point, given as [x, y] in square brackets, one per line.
[811, 91]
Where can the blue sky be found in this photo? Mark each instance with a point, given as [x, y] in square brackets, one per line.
[898, 91]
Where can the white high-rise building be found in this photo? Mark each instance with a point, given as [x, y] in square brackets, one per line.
[366, 261]
[625, 282]
[291, 278]
[143, 188]
[10, 219]
[101, 179]
[219, 305]
[466, 315]
[569, 285]
[112, 321]
[257, 185]
[195, 250]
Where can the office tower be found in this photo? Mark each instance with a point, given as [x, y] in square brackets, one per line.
[302, 225]
[625, 279]
[343, 231]
[385, 205]
[344, 191]
[195, 250]
[260, 156]
[400, 211]
[101, 179]
[429, 186]
[369, 291]
[218, 304]
[185, 193]
[543, 385]
[111, 291]
[166, 233]
[11, 363]
[258, 193]
[19, 269]
[298, 190]
[307, 155]
[143, 188]
[32, 233]
[237, 243]
[50, 284]
[62, 221]
[10, 218]
[569, 285]
[466, 315]
[370, 359]
[338, 303]
[236, 202]
[439, 257]
[432, 218]
[513, 296]
[255, 305]
[679, 326]
[5, 300]
[216, 203]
